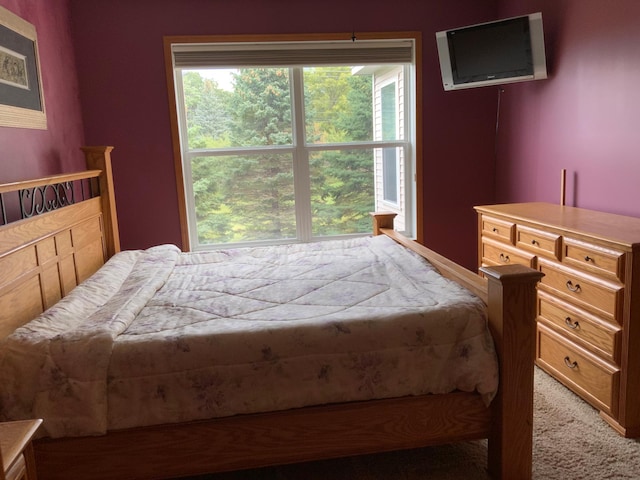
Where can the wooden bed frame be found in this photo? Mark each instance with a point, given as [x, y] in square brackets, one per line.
[43, 257]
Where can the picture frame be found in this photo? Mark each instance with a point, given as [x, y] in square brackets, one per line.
[21, 95]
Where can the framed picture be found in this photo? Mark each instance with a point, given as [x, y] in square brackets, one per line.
[21, 97]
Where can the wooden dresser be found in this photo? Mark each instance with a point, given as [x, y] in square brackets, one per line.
[588, 323]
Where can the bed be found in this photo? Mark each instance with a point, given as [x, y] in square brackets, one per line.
[44, 257]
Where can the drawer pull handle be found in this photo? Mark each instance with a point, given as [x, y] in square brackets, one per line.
[535, 242]
[571, 324]
[587, 258]
[570, 364]
[504, 258]
[572, 287]
[495, 230]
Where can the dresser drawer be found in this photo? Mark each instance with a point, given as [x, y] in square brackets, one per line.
[595, 295]
[539, 242]
[496, 253]
[601, 337]
[593, 379]
[594, 258]
[497, 228]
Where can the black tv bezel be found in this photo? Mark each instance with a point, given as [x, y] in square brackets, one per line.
[522, 22]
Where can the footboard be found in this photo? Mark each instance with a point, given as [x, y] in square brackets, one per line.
[510, 294]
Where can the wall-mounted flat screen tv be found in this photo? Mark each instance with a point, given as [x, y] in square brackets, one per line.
[493, 53]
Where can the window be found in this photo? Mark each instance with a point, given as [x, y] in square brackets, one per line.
[293, 141]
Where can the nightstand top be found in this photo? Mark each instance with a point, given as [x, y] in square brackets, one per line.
[14, 437]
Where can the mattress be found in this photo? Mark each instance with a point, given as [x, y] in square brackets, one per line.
[162, 336]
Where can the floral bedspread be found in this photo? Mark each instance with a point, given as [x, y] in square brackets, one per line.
[160, 336]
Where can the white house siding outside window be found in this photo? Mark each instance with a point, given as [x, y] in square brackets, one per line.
[286, 142]
[389, 117]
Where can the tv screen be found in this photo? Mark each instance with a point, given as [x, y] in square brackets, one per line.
[492, 53]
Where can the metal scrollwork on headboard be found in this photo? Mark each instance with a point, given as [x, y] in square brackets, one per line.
[38, 200]
[45, 195]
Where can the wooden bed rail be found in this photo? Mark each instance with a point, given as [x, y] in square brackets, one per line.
[50, 180]
[383, 224]
[474, 282]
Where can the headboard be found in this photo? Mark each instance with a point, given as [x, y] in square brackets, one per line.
[54, 233]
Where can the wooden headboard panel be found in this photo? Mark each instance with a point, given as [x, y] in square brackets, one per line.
[44, 256]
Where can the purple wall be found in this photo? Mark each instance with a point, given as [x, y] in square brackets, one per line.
[27, 153]
[585, 118]
[124, 100]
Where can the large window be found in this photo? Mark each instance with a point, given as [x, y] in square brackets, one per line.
[293, 141]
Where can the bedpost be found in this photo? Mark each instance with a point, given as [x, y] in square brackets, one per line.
[382, 220]
[512, 311]
[99, 158]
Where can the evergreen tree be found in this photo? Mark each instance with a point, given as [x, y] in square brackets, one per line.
[343, 181]
[259, 187]
[250, 196]
[206, 109]
[208, 118]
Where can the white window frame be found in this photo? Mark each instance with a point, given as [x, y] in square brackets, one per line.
[300, 154]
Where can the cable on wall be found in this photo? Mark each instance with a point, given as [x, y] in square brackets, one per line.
[495, 140]
[500, 91]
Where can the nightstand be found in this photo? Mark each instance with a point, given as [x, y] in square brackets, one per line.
[16, 450]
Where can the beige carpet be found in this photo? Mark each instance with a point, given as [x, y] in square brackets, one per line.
[571, 442]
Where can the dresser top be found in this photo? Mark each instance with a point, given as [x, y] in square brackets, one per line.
[606, 226]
